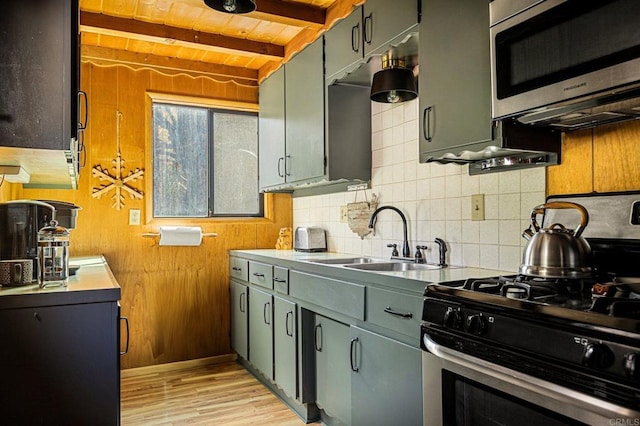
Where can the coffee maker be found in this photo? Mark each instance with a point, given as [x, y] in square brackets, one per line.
[19, 225]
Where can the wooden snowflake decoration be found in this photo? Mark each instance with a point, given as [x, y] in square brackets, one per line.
[117, 183]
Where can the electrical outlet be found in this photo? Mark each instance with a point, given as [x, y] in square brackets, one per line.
[344, 214]
[134, 217]
[477, 207]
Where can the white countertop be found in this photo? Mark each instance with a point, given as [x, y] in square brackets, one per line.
[415, 280]
[93, 282]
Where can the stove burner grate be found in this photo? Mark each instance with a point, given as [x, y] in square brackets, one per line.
[574, 294]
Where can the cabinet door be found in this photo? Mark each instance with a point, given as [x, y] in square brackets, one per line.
[384, 20]
[239, 317]
[455, 95]
[284, 345]
[333, 379]
[271, 130]
[344, 43]
[60, 365]
[305, 114]
[386, 380]
[39, 73]
[261, 331]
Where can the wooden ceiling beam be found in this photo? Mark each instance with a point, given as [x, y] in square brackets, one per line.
[131, 28]
[106, 56]
[297, 13]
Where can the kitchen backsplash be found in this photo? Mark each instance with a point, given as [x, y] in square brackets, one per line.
[436, 199]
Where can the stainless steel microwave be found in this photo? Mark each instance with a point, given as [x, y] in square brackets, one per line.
[565, 63]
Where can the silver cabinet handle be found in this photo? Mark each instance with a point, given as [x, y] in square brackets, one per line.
[280, 160]
[287, 165]
[243, 305]
[318, 331]
[256, 274]
[235, 268]
[398, 314]
[352, 352]
[286, 324]
[279, 280]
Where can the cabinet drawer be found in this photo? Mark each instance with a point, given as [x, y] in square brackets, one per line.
[396, 311]
[340, 296]
[281, 280]
[261, 274]
[239, 268]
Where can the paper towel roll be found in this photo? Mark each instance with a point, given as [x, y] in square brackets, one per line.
[180, 236]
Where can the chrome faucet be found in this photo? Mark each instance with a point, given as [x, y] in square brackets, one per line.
[406, 252]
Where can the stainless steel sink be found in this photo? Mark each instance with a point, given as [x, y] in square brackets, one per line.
[393, 266]
[345, 261]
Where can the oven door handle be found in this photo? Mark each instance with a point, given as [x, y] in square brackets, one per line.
[597, 409]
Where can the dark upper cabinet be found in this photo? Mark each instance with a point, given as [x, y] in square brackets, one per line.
[39, 74]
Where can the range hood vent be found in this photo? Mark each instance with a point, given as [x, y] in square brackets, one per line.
[515, 146]
[595, 110]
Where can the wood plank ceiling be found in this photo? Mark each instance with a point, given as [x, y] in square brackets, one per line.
[187, 36]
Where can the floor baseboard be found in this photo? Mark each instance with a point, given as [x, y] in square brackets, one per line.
[150, 369]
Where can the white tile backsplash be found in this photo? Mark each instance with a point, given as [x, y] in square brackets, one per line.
[436, 199]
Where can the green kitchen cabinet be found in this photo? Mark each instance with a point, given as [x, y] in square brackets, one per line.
[291, 121]
[261, 331]
[285, 345]
[271, 145]
[386, 380]
[304, 114]
[369, 29]
[333, 369]
[239, 318]
[455, 80]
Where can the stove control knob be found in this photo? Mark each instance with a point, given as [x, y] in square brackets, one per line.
[597, 355]
[476, 324]
[632, 365]
[453, 318]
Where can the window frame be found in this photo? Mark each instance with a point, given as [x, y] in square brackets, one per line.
[225, 106]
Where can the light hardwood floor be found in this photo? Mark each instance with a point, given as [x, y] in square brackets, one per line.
[214, 394]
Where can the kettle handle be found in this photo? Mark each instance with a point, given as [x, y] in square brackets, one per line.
[584, 220]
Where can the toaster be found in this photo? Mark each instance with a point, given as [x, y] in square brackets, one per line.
[310, 238]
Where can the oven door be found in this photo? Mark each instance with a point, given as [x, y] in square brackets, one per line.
[462, 390]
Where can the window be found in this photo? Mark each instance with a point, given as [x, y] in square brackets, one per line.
[205, 162]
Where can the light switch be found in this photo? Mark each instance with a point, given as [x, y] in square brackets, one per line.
[477, 207]
[344, 214]
[134, 217]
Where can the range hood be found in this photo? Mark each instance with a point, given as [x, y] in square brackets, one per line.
[514, 146]
[590, 111]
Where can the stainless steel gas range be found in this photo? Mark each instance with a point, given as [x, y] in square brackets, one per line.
[529, 350]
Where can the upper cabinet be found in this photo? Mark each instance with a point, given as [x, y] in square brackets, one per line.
[304, 115]
[368, 30]
[39, 78]
[291, 121]
[454, 81]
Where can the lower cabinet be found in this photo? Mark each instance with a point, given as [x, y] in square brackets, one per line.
[59, 365]
[284, 343]
[333, 378]
[261, 331]
[239, 318]
[386, 380]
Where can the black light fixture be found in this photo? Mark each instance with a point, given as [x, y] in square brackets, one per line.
[232, 6]
[394, 83]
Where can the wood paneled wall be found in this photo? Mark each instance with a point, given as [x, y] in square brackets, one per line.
[603, 159]
[176, 298]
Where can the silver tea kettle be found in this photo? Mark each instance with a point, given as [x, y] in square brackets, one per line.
[556, 251]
